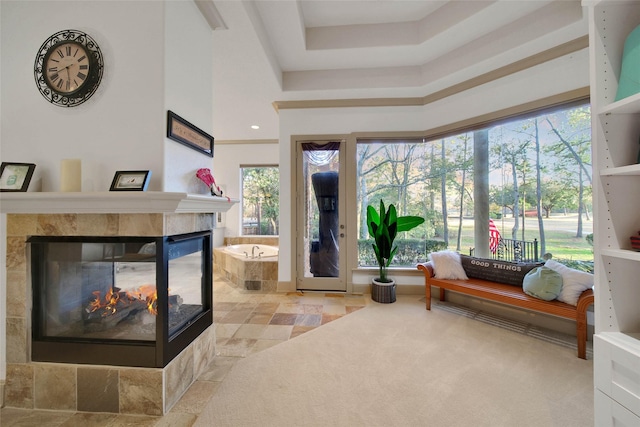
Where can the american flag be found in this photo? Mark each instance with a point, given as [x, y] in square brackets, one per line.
[494, 236]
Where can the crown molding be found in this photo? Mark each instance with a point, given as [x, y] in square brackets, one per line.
[515, 67]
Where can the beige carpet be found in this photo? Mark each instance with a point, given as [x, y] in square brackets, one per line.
[400, 365]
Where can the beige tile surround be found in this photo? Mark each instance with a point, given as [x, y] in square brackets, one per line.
[71, 387]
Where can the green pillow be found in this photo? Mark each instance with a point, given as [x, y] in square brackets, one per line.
[543, 283]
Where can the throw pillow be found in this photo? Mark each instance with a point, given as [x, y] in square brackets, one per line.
[446, 265]
[574, 282]
[510, 273]
[542, 282]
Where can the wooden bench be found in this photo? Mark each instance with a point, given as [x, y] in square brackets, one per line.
[514, 296]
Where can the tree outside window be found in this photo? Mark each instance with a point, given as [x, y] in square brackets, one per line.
[260, 200]
[539, 186]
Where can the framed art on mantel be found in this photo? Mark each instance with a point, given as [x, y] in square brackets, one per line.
[130, 181]
[15, 176]
[180, 130]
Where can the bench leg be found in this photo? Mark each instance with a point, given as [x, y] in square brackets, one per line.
[427, 294]
[581, 325]
[581, 335]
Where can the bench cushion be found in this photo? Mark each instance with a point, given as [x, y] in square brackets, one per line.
[543, 283]
[447, 265]
[574, 282]
[510, 273]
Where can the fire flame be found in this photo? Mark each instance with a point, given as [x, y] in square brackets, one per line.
[148, 294]
[145, 293]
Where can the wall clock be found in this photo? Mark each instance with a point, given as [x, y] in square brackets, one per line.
[68, 68]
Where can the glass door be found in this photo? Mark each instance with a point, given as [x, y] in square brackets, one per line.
[320, 219]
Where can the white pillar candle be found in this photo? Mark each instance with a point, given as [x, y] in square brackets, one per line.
[70, 175]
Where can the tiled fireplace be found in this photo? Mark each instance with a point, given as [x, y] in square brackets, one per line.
[125, 301]
[80, 385]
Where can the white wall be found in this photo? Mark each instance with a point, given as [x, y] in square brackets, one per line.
[120, 126]
[154, 61]
[554, 77]
[227, 160]
[188, 89]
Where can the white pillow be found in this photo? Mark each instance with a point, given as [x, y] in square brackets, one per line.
[447, 265]
[574, 282]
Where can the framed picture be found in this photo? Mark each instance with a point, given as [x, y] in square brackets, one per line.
[15, 176]
[180, 130]
[130, 181]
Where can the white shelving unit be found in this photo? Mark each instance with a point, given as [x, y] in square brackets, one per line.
[616, 184]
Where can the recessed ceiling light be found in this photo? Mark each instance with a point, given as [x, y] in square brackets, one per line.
[255, 127]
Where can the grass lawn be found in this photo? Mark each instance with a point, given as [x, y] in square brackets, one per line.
[559, 230]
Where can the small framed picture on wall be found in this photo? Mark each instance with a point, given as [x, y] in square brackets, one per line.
[180, 130]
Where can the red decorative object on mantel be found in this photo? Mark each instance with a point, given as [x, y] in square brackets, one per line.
[635, 242]
[204, 174]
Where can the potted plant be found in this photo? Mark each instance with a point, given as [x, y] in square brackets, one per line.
[384, 227]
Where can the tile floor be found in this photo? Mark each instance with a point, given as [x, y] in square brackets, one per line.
[246, 322]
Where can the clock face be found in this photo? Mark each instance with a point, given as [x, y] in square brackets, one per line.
[66, 67]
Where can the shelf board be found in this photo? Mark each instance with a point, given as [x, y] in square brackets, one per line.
[628, 105]
[628, 340]
[621, 170]
[622, 254]
[594, 3]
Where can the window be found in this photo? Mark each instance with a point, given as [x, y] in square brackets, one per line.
[260, 200]
[538, 186]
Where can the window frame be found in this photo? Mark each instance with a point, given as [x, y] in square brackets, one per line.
[525, 111]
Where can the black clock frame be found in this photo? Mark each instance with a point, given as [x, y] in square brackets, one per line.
[96, 68]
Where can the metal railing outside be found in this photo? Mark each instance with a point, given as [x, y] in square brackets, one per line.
[515, 250]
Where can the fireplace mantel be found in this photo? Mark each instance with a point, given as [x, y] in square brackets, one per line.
[112, 202]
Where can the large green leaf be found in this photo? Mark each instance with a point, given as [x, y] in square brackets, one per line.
[391, 255]
[384, 241]
[373, 219]
[406, 223]
[392, 223]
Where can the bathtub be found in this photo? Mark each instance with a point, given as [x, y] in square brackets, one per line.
[247, 250]
[255, 274]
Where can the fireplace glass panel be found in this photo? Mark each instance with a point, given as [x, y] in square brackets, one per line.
[94, 295]
[185, 279]
[100, 290]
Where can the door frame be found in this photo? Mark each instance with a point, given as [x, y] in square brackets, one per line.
[348, 245]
